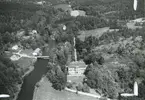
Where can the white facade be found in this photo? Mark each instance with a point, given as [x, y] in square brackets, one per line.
[74, 13]
[76, 71]
[76, 68]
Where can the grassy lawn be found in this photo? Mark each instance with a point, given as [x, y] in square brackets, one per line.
[63, 6]
[46, 92]
[27, 51]
[96, 32]
[25, 64]
[76, 79]
[131, 25]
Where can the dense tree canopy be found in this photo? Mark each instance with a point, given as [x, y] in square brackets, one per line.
[48, 22]
[10, 77]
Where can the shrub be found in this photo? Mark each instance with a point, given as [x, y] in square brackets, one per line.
[79, 87]
[85, 88]
[69, 85]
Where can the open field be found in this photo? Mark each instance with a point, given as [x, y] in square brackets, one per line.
[96, 32]
[131, 25]
[76, 79]
[25, 64]
[46, 92]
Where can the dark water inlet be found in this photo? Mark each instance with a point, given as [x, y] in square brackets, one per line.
[29, 81]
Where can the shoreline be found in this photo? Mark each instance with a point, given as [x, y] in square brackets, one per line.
[31, 68]
[36, 88]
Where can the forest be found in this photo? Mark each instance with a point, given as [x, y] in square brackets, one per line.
[48, 21]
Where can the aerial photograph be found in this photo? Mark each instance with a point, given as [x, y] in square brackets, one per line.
[72, 49]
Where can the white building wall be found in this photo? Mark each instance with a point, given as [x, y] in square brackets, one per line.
[76, 71]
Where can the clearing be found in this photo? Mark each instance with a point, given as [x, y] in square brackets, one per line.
[96, 32]
[46, 92]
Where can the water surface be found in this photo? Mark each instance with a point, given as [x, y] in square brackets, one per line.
[29, 82]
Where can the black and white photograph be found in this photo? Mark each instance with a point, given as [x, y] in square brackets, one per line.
[72, 49]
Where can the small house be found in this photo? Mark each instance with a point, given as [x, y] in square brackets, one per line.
[15, 57]
[15, 47]
[37, 52]
[76, 13]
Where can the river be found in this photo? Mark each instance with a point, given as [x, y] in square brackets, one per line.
[40, 68]
[30, 80]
